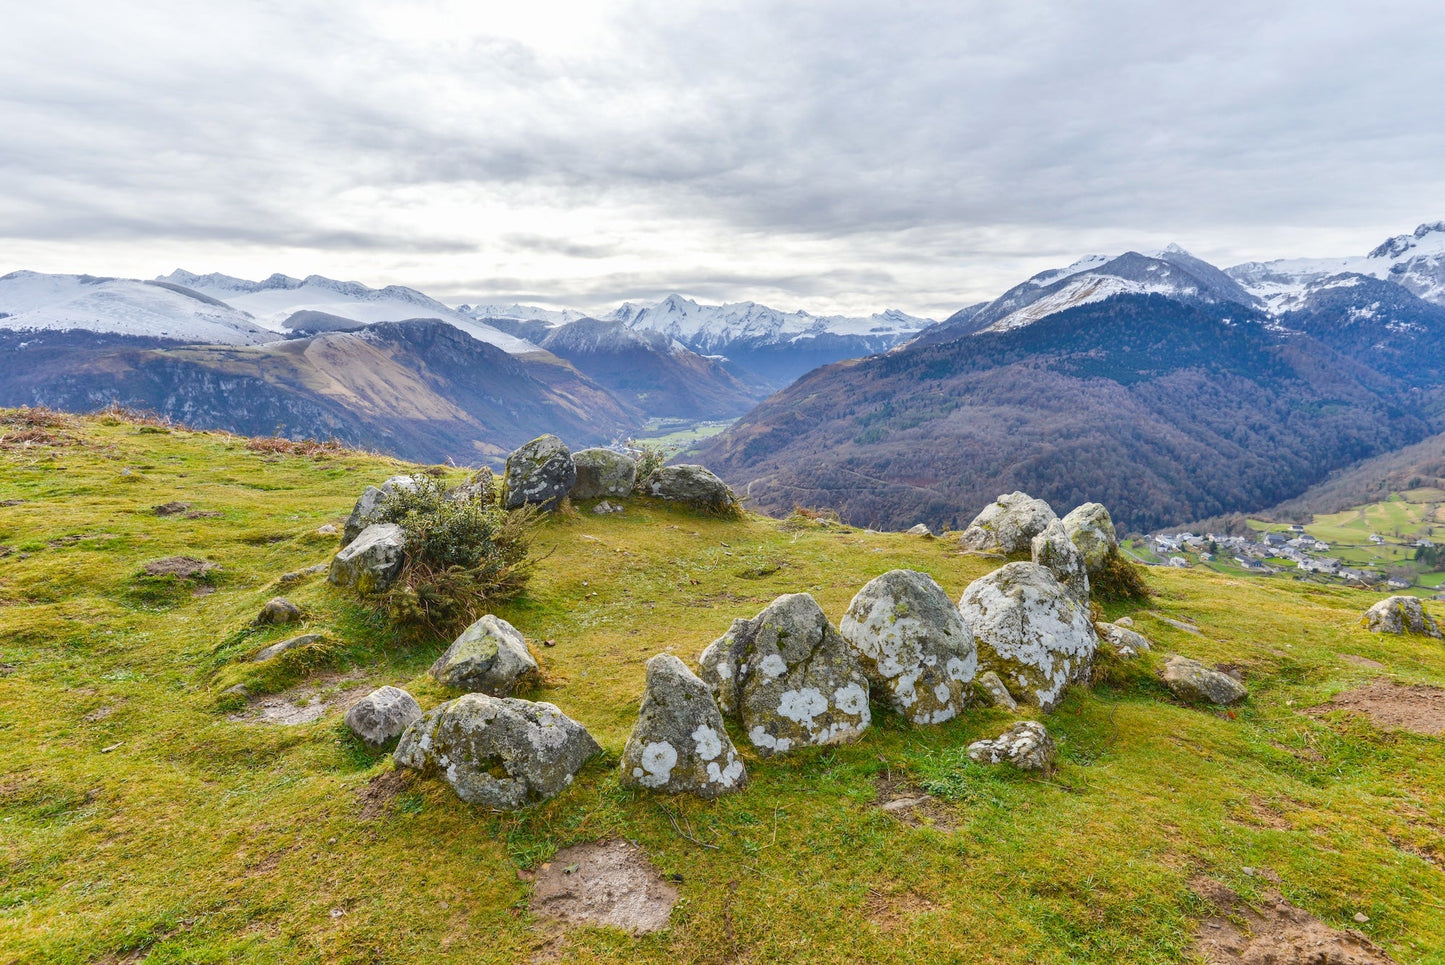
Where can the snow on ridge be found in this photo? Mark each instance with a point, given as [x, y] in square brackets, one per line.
[1083, 291]
[712, 325]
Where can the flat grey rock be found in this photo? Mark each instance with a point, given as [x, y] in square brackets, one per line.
[692, 486]
[285, 646]
[1191, 681]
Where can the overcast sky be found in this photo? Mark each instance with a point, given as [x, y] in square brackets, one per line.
[842, 156]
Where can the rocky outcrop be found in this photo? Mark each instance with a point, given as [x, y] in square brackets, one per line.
[540, 473]
[788, 678]
[369, 502]
[913, 645]
[489, 657]
[278, 610]
[1091, 529]
[602, 473]
[1026, 745]
[498, 751]
[382, 715]
[692, 486]
[679, 744]
[1008, 525]
[371, 562]
[1123, 642]
[1054, 551]
[1191, 681]
[1400, 614]
[1031, 631]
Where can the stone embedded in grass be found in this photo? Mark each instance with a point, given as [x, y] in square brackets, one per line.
[1026, 745]
[997, 694]
[278, 610]
[371, 562]
[489, 657]
[170, 509]
[1031, 631]
[369, 502]
[788, 678]
[601, 473]
[920, 530]
[498, 751]
[1123, 642]
[1055, 552]
[286, 646]
[1400, 614]
[383, 715]
[540, 473]
[913, 645]
[1091, 529]
[679, 744]
[1191, 681]
[1008, 524]
[692, 486]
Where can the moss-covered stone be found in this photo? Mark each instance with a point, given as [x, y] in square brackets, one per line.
[489, 657]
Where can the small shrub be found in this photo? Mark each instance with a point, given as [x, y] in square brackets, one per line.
[650, 458]
[462, 554]
[277, 445]
[1118, 579]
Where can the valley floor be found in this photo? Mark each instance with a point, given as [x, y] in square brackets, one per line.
[147, 815]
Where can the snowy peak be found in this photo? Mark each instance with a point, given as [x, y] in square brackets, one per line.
[1428, 238]
[522, 313]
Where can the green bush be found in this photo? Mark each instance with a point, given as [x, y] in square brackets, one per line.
[463, 552]
[1118, 580]
[649, 458]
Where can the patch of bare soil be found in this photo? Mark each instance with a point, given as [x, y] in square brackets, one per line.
[1359, 661]
[301, 705]
[182, 567]
[1390, 706]
[603, 883]
[1277, 933]
[1260, 813]
[376, 795]
[170, 509]
[892, 912]
[910, 804]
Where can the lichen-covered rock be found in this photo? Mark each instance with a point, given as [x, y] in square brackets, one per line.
[913, 645]
[1091, 529]
[679, 744]
[382, 715]
[481, 488]
[602, 473]
[691, 486]
[286, 646]
[788, 677]
[1008, 525]
[278, 610]
[1122, 641]
[1400, 614]
[1055, 552]
[1031, 631]
[540, 473]
[489, 657]
[371, 500]
[1191, 681]
[498, 751]
[1026, 745]
[995, 692]
[371, 562]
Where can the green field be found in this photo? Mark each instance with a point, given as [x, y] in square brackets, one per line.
[680, 438]
[140, 820]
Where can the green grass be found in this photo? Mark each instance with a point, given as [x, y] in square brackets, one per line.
[162, 827]
[680, 438]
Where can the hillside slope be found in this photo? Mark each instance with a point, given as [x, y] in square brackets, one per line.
[146, 814]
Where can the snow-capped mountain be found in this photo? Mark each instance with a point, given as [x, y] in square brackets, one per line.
[278, 297]
[522, 313]
[1415, 261]
[122, 306]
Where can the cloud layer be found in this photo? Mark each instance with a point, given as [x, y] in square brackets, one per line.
[840, 156]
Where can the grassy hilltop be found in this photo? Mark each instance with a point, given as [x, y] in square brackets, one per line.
[145, 814]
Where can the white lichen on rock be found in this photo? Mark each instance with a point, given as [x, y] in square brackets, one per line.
[1026, 745]
[679, 744]
[1008, 524]
[1400, 614]
[1091, 530]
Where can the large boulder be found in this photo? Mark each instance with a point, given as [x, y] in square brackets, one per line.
[382, 715]
[1400, 614]
[1055, 552]
[691, 486]
[490, 657]
[1026, 745]
[602, 473]
[788, 677]
[1031, 631]
[371, 562]
[1008, 525]
[1091, 529]
[679, 744]
[1191, 681]
[498, 751]
[369, 502]
[541, 473]
[913, 645]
